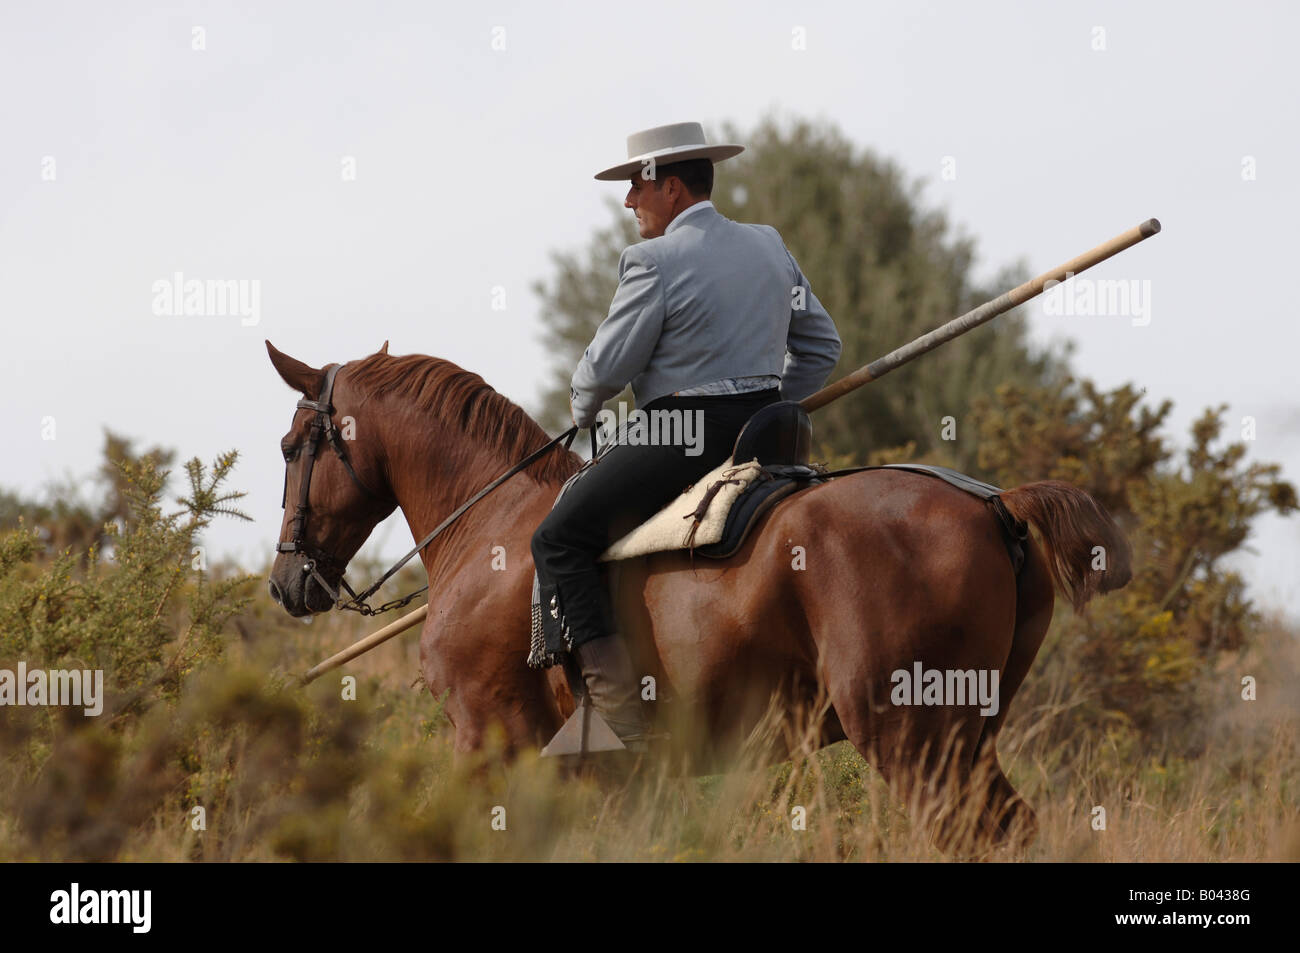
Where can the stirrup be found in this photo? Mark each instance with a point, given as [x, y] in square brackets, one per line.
[586, 732]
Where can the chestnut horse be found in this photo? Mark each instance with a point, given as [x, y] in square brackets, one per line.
[839, 586]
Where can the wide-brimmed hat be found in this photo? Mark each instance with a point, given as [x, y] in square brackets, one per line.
[675, 143]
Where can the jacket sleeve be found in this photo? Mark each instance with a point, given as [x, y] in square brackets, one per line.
[812, 345]
[625, 340]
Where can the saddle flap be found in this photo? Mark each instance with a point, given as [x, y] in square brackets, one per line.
[761, 496]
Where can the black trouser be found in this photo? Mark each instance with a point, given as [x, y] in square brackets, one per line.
[624, 487]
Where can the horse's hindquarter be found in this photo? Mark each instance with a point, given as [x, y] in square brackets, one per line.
[870, 572]
[930, 572]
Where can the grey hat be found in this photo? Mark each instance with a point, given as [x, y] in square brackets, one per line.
[675, 143]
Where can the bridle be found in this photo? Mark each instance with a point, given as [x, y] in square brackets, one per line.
[322, 425]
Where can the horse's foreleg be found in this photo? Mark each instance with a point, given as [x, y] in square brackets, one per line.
[495, 700]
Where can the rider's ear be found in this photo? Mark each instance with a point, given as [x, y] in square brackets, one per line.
[301, 377]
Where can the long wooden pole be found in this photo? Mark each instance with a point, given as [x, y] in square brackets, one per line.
[973, 319]
[873, 371]
[396, 627]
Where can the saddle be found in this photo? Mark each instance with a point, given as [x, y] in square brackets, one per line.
[714, 516]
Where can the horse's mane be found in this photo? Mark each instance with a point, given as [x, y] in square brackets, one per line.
[453, 394]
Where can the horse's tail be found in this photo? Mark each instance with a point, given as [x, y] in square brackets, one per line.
[1086, 552]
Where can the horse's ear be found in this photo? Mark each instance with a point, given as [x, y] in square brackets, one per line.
[301, 377]
[384, 349]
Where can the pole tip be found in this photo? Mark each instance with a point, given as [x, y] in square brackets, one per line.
[1150, 227]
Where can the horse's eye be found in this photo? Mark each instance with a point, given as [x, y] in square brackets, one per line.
[289, 453]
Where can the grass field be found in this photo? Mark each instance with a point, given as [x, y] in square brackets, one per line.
[286, 773]
[208, 750]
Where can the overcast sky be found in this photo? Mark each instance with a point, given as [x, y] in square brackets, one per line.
[129, 155]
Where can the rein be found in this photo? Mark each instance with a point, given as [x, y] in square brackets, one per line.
[323, 425]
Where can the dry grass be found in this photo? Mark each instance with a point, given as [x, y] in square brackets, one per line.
[285, 773]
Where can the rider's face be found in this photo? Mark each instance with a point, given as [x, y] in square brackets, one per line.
[652, 202]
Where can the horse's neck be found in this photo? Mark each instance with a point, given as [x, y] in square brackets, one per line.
[430, 483]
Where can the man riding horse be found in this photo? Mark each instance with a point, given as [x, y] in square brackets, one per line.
[711, 317]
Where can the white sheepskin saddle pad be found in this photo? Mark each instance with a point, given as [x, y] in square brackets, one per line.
[671, 528]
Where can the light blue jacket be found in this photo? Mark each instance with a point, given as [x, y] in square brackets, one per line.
[707, 300]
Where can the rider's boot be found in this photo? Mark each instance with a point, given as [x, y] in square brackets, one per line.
[614, 688]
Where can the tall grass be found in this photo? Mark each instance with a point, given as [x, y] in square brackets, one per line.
[204, 712]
